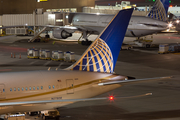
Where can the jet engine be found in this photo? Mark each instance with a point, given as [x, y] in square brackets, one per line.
[60, 33]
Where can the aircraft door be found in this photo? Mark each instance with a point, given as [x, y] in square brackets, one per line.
[70, 86]
[2, 91]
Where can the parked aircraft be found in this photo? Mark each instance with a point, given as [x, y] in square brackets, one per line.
[139, 26]
[91, 75]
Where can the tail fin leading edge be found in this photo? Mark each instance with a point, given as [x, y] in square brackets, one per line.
[102, 54]
[159, 10]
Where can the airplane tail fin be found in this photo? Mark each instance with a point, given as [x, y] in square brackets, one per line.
[159, 10]
[102, 54]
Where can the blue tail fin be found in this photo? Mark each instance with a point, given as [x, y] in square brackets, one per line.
[159, 10]
[166, 5]
[102, 54]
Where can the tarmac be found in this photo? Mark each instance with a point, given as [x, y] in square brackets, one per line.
[163, 104]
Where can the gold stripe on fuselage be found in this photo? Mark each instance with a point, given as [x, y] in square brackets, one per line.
[59, 90]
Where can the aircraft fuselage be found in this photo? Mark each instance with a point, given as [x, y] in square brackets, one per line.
[138, 25]
[50, 85]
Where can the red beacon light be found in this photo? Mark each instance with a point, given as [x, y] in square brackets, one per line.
[111, 98]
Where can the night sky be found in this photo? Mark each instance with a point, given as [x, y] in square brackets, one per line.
[138, 2]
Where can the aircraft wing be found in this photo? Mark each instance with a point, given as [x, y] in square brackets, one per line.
[67, 27]
[48, 26]
[132, 81]
[70, 100]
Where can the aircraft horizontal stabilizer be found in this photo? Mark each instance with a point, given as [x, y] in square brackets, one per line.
[133, 81]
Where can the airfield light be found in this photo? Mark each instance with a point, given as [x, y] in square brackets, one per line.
[177, 21]
[97, 13]
[134, 5]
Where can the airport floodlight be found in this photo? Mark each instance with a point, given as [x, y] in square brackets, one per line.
[177, 21]
[51, 16]
[170, 25]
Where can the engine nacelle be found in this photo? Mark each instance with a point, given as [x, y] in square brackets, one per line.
[61, 33]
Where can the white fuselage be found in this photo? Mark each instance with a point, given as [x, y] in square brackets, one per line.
[50, 85]
[138, 25]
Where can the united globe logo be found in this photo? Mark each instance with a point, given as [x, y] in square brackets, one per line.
[158, 11]
[98, 58]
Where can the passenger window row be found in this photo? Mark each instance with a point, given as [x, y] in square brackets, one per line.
[30, 88]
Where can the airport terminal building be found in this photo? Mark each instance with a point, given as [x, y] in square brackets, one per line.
[28, 6]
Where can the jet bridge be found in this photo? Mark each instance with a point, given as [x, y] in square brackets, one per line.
[26, 21]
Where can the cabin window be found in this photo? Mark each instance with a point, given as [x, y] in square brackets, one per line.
[18, 89]
[3, 90]
[14, 89]
[49, 87]
[26, 88]
[22, 89]
[37, 87]
[41, 87]
[10, 89]
[53, 87]
[29, 88]
[34, 88]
